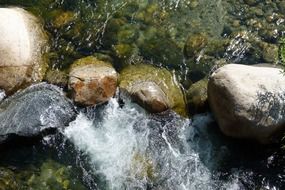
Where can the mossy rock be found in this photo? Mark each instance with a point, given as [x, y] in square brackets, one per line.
[156, 45]
[63, 18]
[197, 97]
[139, 73]
[90, 60]
[57, 77]
[8, 180]
[53, 175]
[194, 44]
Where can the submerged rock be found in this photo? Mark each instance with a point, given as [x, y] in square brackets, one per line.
[53, 175]
[22, 48]
[36, 109]
[248, 101]
[92, 81]
[153, 88]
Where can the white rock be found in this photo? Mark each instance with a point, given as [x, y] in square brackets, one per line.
[248, 101]
[22, 44]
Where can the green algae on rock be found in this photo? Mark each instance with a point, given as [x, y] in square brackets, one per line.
[197, 97]
[53, 175]
[137, 74]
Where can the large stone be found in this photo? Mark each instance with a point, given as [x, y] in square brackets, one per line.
[22, 48]
[92, 81]
[153, 88]
[37, 109]
[248, 101]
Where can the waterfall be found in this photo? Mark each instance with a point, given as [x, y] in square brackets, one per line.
[131, 149]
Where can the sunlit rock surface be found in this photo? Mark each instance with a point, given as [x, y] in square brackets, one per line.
[248, 101]
[22, 47]
[155, 89]
[36, 109]
[92, 81]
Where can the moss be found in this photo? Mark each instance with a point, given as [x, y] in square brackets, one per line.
[124, 51]
[63, 18]
[194, 44]
[90, 60]
[162, 77]
[156, 45]
[57, 77]
[53, 175]
[281, 51]
[197, 97]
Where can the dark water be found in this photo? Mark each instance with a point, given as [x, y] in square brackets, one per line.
[124, 148]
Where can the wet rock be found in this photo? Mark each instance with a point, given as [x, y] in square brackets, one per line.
[150, 96]
[269, 52]
[197, 97]
[22, 49]
[194, 44]
[153, 88]
[37, 109]
[57, 77]
[49, 175]
[53, 175]
[63, 18]
[92, 81]
[8, 179]
[246, 103]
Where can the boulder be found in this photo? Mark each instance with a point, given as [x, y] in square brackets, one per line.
[248, 101]
[92, 81]
[153, 88]
[23, 45]
[37, 109]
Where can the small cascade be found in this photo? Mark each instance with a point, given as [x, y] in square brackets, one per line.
[130, 149]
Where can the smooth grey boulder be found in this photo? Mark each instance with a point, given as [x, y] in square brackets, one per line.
[37, 109]
[249, 101]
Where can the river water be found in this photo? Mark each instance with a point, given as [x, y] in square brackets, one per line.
[121, 146]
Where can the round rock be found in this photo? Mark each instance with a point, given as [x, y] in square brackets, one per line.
[92, 81]
[153, 88]
[37, 109]
[248, 101]
[23, 44]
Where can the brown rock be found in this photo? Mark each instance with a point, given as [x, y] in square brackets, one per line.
[92, 81]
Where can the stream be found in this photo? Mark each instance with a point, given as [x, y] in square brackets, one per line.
[120, 146]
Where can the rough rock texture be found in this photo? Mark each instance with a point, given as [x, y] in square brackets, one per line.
[153, 88]
[22, 48]
[248, 101]
[92, 81]
[34, 110]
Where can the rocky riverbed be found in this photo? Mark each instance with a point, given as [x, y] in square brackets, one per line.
[171, 94]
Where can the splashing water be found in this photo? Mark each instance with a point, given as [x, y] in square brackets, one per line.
[133, 150]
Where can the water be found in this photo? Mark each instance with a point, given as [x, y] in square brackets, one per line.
[123, 147]
[129, 149]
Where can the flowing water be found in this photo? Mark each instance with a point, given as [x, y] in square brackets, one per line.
[119, 145]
